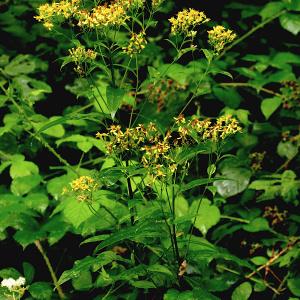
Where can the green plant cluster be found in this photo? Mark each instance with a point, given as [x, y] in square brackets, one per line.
[149, 150]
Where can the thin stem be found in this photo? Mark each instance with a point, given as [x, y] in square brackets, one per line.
[39, 137]
[197, 86]
[235, 219]
[198, 207]
[130, 195]
[251, 31]
[245, 84]
[50, 268]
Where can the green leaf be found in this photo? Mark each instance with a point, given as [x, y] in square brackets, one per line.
[89, 263]
[237, 180]
[28, 271]
[55, 186]
[208, 54]
[23, 168]
[292, 4]
[208, 215]
[256, 225]
[287, 149]
[77, 212]
[290, 22]
[259, 260]
[211, 169]
[51, 127]
[143, 284]
[41, 290]
[114, 98]
[136, 233]
[156, 268]
[22, 185]
[242, 292]
[198, 182]
[21, 64]
[37, 201]
[269, 106]
[28, 236]
[229, 96]
[10, 272]
[83, 282]
[270, 9]
[294, 285]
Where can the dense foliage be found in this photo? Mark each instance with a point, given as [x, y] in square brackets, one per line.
[149, 150]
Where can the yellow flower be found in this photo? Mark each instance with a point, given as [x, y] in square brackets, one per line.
[102, 16]
[83, 188]
[156, 3]
[131, 4]
[136, 44]
[80, 54]
[48, 12]
[83, 183]
[186, 21]
[219, 36]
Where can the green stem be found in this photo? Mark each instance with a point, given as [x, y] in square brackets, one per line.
[39, 137]
[197, 86]
[130, 195]
[50, 268]
[245, 84]
[251, 31]
[235, 219]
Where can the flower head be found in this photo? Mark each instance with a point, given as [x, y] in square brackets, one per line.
[13, 284]
[136, 44]
[102, 16]
[84, 187]
[219, 36]
[48, 12]
[186, 21]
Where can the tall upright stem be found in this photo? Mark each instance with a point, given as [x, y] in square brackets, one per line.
[51, 270]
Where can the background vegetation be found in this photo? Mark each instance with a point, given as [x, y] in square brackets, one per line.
[244, 242]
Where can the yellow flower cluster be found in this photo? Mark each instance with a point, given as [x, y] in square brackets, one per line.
[136, 44]
[219, 36]
[65, 9]
[156, 3]
[84, 187]
[114, 14]
[119, 141]
[156, 152]
[102, 16]
[80, 54]
[186, 21]
[131, 4]
[147, 141]
[203, 130]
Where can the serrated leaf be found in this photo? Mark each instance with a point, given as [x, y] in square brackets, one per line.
[41, 290]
